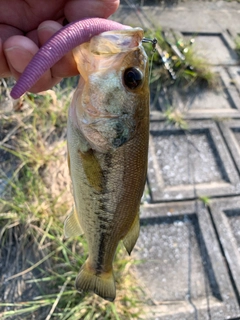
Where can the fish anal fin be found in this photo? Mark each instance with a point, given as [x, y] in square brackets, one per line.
[103, 284]
[130, 239]
[72, 225]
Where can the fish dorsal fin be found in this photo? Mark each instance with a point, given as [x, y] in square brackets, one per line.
[131, 238]
[72, 225]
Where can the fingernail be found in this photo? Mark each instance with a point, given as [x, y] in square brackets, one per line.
[48, 28]
[18, 57]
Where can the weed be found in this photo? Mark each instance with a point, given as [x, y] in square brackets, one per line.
[175, 61]
[175, 117]
[205, 200]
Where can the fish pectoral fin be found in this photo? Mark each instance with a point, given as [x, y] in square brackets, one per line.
[72, 225]
[103, 284]
[131, 238]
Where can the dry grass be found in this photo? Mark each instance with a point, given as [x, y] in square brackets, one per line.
[37, 265]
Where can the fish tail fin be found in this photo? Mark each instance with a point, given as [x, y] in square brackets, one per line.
[103, 284]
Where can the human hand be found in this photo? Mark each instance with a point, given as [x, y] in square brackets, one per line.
[27, 25]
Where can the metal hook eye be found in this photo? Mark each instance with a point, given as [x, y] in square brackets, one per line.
[152, 41]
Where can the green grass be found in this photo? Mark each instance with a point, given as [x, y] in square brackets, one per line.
[205, 200]
[38, 266]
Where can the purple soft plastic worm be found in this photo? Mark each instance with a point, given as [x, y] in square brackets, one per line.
[57, 46]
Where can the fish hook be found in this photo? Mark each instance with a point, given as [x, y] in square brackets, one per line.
[152, 41]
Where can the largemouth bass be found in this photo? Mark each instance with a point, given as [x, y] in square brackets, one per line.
[108, 129]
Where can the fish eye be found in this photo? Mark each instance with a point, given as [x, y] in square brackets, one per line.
[132, 78]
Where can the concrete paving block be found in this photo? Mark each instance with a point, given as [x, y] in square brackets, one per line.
[231, 132]
[214, 48]
[210, 26]
[181, 269]
[224, 14]
[199, 102]
[189, 164]
[155, 17]
[226, 216]
[189, 16]
[231, 86]
[235, 75]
